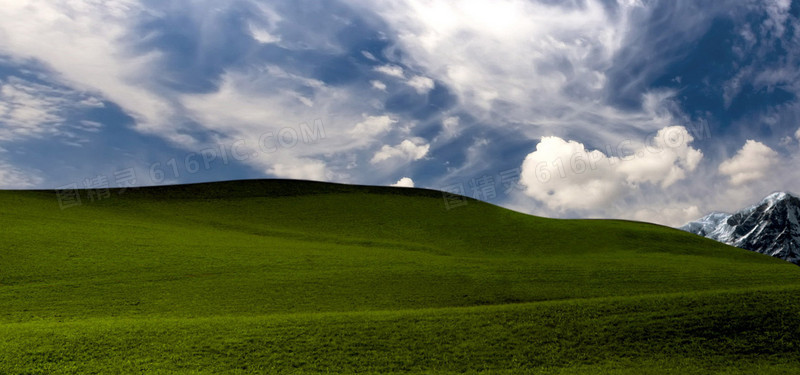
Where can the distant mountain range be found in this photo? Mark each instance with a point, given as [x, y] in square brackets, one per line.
[770, 227]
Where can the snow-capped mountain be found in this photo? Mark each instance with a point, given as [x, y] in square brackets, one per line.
[770, 227]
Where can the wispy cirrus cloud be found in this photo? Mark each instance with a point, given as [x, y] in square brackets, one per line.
[34, 110]
[14, 178]
[252, 92]
[84, 43]
[28, 110]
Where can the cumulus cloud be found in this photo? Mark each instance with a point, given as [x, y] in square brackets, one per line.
[450, 129]
[373, 125]
[797, 134]
[378, 85]
[545, 177]
[263, 36]
[303, 169]
[752, 162]
[391, 70]
[665, 160]
[404, 182]
[421, 84]
[564, 175]
[408, 150]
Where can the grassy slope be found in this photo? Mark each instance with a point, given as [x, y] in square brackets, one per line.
[308, 277]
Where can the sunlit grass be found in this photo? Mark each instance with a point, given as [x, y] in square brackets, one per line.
[282, 276]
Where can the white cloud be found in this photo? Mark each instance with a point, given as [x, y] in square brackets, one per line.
[670, 216]
[585, 187]
[752, 162]
[28, 110]
[797, 134]
[14, 178]
[378, 85]
[302, 169]
[264, 30]
[421, 84]
[408, 150]
[373, 125]
[508, 50]
[631, 3]
[263, 36]
[369, 55]
[31, 110]
[241, 111]
[83, 42]
[564, 175]
[238, 105]
[92, 102]
[665, 161]
[391, 70]
[539, 67]
[450, 129]
[89, 46]
[404, 182]
[255, 105]
[90, 126]
[778, 12]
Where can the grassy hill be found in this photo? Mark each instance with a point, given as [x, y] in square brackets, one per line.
[305, 277]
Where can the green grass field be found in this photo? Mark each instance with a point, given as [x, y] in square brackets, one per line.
[280, 276]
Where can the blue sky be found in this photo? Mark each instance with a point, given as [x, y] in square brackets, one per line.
[649, 110]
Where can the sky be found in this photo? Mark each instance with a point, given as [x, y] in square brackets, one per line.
[658, 111]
